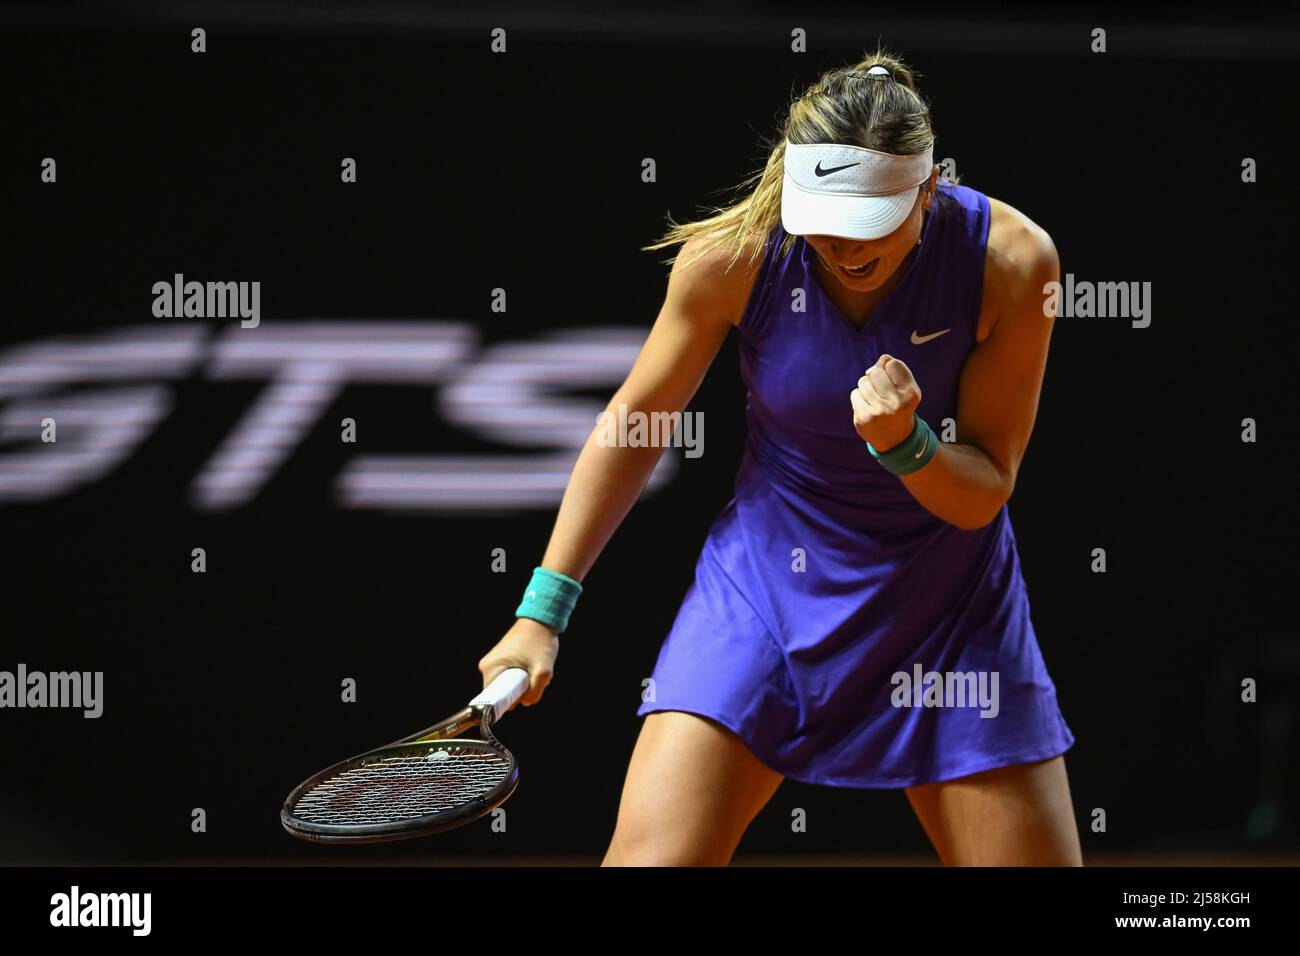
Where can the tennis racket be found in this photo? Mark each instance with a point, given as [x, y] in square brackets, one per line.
[426, 783]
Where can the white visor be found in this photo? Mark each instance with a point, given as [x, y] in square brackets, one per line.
[835, 190]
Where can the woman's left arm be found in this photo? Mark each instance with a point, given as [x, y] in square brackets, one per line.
[968, 481]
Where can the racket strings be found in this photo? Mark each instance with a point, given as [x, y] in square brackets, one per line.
[411, 783]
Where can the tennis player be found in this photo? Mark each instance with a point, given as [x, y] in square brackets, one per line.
[858, 616]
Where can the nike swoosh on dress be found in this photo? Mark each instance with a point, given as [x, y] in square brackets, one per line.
[918, 339]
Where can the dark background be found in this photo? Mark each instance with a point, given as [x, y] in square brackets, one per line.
[222, 689]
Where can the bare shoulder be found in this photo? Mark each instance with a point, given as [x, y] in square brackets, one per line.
[1020, 258]
[708, 280]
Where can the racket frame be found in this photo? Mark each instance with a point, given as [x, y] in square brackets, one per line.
[480, 713]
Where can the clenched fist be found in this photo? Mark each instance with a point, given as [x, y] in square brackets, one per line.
[884, 403]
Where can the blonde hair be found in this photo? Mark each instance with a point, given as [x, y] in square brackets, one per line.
[845, 106]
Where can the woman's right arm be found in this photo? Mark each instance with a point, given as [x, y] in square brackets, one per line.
[703, 301]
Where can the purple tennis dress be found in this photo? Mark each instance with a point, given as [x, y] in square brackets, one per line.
[823, 580]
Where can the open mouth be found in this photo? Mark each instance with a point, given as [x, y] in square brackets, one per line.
[861, 271]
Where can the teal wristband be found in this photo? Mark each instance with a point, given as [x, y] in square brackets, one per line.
[549, 598]
[912, 454]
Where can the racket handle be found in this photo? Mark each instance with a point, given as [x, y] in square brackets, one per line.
[504, 691]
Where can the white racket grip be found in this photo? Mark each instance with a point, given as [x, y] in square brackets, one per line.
[504, 691]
